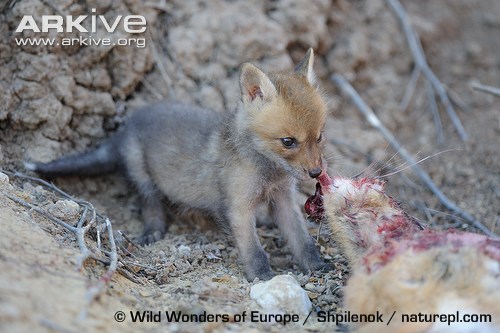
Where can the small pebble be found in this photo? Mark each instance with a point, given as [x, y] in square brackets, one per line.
[4, 182]
[4, 179]
[146, 293]
[309, 286]
[67, 210]
[184, 251]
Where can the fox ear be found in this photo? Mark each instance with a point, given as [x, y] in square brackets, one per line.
[255, 85]
[305, 67]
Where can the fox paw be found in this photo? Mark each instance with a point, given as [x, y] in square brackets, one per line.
[264, 276]
[150, 237]
[320, 266]
[257, 265]
[311, 260]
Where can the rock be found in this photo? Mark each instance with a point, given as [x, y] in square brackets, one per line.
[146, 293]
[65, 210]
[4, 182]
[202, 39]
[309, 286]
[184, 251]
[36, 192]
[304, 21]
[9, 312]
[4, 179]
[282, 294]
[42, 87]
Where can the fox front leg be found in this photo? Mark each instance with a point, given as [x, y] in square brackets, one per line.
[289, 220]
[242, 221]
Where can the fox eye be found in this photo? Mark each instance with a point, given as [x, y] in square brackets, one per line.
[320, 137]
[289, 142]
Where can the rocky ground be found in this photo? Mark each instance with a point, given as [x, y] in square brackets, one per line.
[57, 100]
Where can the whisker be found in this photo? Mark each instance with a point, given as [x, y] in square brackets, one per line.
[400, 167]
[439, 212]
[365, 170]
[388, 162]
[418, 162]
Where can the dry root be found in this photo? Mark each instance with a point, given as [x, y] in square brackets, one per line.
[93, 232]
[433, 85]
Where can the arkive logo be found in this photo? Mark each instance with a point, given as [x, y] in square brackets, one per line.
[131, 23]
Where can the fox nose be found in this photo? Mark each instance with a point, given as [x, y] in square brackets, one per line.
[315, 172]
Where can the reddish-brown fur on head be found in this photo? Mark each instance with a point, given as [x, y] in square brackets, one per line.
[298, 112]
[287, 105]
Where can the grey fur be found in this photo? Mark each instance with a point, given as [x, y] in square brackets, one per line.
[104, 159]
[205, 160]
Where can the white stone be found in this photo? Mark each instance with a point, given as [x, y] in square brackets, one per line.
[184, 251]
[4, 179]
[282, 294]
[4, 182]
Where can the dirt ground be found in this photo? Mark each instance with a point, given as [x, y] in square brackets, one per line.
[55, 101]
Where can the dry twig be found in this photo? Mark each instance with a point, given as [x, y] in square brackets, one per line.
[370, 116]
[42, 212]
[85, 223]
[160, 65]
[95, 290]
[422, 67]
[486, 89]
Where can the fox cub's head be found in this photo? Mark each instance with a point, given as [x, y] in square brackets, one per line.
[286, 116]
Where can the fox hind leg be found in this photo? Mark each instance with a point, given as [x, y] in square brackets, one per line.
[154, 217]
[153, 209]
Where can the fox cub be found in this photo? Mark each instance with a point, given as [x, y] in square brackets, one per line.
[223, 164]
